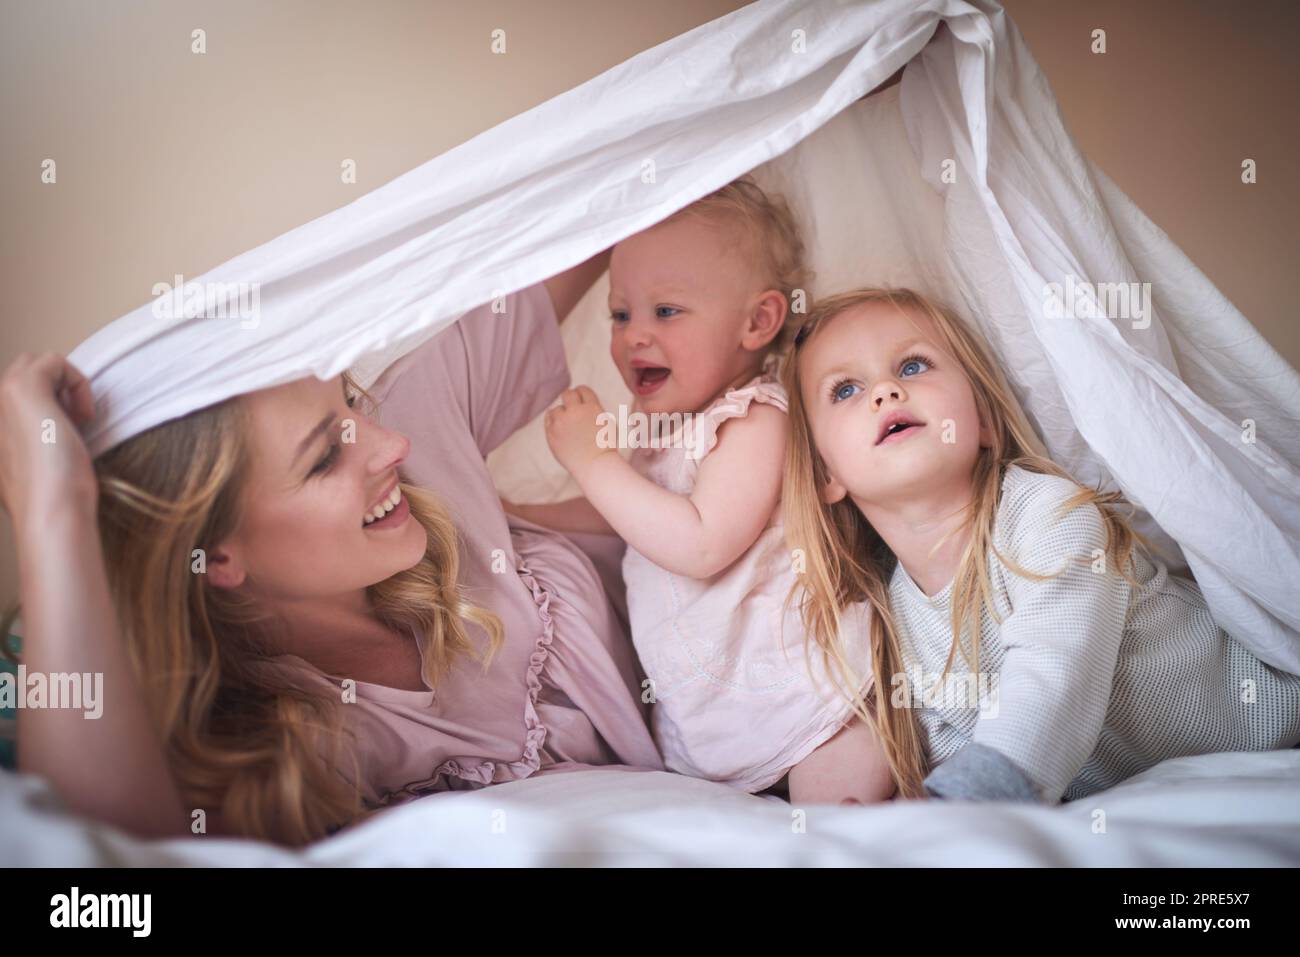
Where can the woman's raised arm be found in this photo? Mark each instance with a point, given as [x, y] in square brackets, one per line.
[570, 286]
[110, 766]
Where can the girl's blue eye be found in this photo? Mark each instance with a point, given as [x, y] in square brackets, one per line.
[841, 391]
[914, 363]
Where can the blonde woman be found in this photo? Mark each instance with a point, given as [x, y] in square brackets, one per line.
[300, 613]
[915, 484]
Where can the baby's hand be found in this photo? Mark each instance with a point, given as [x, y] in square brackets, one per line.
[572, 429]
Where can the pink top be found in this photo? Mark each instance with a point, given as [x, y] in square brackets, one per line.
[564, 689]
[735, 698]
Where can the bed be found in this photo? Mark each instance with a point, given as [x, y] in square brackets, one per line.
[1238, 810]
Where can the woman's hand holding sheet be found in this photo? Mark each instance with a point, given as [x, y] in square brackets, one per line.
[69, 623]
[43, 461]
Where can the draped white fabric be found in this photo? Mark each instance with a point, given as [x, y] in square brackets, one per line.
[1184, 406]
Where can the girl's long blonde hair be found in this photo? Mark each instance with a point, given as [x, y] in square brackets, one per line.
[275, 759]
[846, 561]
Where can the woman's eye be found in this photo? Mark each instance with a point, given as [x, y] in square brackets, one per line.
[666, 312]
[841, 391]
[916, 364]
[326, 462]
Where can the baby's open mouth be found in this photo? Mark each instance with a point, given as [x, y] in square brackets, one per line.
[649, 379]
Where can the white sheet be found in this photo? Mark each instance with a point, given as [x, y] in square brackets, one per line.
[1156, 412]
[1219, 810]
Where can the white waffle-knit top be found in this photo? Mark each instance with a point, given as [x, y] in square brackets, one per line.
[1087, 680]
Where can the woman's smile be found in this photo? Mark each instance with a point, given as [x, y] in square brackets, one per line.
[397, 512]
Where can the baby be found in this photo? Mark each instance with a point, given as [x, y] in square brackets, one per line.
[700, 308]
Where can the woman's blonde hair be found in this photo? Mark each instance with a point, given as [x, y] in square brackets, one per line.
[275, 759]
[846, 561]
[769, 237]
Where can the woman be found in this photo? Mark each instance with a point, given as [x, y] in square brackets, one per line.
[276, 661]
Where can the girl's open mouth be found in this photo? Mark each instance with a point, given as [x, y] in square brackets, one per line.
[899, 432]
[649, 379]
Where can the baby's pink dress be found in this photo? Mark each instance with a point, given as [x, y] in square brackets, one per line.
[734, 700]
[563, 692]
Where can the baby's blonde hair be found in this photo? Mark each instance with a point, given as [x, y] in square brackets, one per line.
[846, 560]
[769, 237]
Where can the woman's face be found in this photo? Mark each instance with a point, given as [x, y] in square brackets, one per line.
[318, 468]
[872, 362]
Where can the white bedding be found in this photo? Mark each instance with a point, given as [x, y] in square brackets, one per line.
[1211, 810]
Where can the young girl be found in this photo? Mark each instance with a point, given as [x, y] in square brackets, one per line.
[700, 307]
[915, 483]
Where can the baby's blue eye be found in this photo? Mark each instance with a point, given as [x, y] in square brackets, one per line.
[916, 364]
[670, 310]
[842, 391]
[618, 315]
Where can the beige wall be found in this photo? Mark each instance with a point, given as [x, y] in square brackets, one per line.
[170, 162]
[1186, 90]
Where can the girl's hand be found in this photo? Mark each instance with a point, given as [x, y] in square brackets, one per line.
[573, 428]
[43, 459]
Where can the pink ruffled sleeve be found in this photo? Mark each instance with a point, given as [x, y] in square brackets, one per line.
[734, 405]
